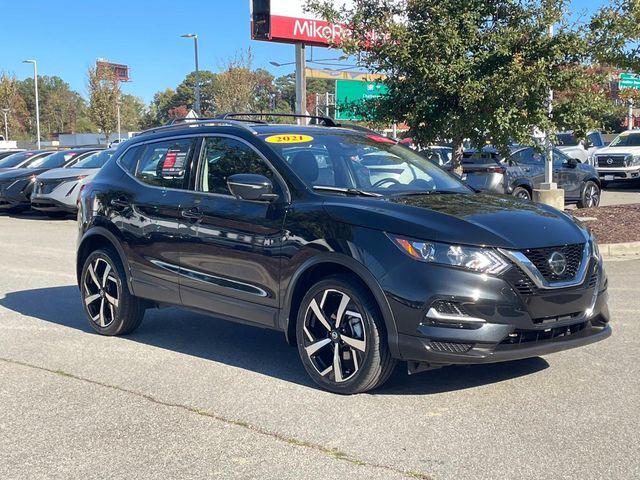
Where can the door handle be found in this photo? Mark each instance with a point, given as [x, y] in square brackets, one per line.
[191, 213]
[119, 202]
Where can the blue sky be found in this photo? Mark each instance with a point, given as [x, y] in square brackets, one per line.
[67, 36]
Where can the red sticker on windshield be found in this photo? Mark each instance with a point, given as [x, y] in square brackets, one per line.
[381, 139]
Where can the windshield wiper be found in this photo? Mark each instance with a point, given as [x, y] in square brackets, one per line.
[424, 192]
[346, 191]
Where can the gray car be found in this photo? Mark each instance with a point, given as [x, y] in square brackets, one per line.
[523, 170]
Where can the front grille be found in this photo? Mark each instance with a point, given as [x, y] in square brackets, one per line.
[540, 257]
[534, 336]
[612, 161]
[520, 281]
[44, 187]
[450, 347]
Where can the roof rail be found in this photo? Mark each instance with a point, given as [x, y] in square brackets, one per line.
[326, 121]
[182, 122]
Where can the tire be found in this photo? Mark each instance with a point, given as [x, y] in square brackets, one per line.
[363, 362]
[522, 193]
[110, 308]
[590, 196]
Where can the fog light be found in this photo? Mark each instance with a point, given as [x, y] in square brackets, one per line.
[448, 314]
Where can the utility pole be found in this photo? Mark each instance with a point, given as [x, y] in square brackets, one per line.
[301, 81]
[5, 112]
[196, 105]
[630, 121]
[118, 103]
[35, 81]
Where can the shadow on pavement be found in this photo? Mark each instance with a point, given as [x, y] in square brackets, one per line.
[260, 350]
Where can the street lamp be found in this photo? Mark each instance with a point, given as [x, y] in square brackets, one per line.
[118, 104]
[5, 112]
[197, 87]
[35, 81]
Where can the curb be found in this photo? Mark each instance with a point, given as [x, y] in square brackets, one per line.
[617, 250]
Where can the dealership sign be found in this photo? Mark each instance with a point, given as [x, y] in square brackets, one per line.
[288, 21]
[351, 96]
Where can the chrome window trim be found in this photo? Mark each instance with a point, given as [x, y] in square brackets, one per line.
[527, 266]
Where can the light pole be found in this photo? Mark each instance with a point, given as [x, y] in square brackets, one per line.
[118, 103]
[35, 81]
[196, 107]
[5, 112]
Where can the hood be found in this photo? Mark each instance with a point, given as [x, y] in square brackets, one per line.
[618, 151]
[63, 173]
[468, 219]
[17, 173]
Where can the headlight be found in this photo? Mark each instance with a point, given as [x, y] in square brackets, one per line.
[478, 259]
[595, 250]
[635, 160]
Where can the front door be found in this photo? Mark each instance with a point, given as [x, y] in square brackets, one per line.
[231, 263]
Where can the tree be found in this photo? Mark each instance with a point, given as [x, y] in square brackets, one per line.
[104, 92]
[479, 69]
[132, 110]
[10, 98]
[185, 93]
[237, 85]
[615, 34]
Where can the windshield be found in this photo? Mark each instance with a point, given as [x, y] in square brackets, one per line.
[566, 139]
[95, 160]
[369, 163]
[52, 161]
[626, 140]
[15, 159]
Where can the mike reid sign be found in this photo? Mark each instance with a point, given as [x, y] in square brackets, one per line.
[287, 21]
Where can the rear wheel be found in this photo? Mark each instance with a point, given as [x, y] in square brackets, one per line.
[522, 192]
[590, 195]
[109, 306]
[341, 338]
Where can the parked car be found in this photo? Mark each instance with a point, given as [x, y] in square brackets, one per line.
[19, 159]
[439, 155]
[621, 159]
[523, 170]
[16, 184]
[579, 149]
[6, 153]
[358, 272]
[56, 191]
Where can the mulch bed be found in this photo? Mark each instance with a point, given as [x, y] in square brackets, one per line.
[614, 224]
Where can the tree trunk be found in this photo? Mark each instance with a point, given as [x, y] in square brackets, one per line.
[456, 158]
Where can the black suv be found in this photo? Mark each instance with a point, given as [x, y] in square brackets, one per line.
[361, 251]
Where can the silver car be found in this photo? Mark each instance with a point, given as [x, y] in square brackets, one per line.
[522, 171]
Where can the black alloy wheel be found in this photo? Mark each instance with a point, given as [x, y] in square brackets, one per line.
[341, 337]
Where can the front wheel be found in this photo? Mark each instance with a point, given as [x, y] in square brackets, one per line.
[590, 195]
[109, 306]
[522, 193]
[341, 338]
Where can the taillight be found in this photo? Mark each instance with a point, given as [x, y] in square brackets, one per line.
[82, 189]
[496, 169]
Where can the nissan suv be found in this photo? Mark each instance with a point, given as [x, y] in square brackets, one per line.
[362, 252]
[621, 159]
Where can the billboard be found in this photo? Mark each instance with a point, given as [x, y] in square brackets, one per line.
[287, 21]
[352, 94]
[120, 71]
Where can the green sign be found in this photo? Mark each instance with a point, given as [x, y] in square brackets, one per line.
[351, 95]
[629, 80]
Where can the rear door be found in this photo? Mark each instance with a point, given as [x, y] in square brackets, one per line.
[149, 214]
[230, 262]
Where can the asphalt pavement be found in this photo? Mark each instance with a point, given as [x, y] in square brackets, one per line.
[187, 396]
[618, 193]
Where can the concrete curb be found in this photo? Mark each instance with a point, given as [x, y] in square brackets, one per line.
[617, 250]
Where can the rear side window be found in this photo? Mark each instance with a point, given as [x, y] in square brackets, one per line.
[224, 157]
[164, 164]
[528, 156]
[129, 161]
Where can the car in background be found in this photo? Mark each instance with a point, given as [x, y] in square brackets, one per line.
[579, 149]
[6, 153]
[16, 184]
[56, 191]
[621, 159]
[19, 159]
[439, 155]
[522, 171]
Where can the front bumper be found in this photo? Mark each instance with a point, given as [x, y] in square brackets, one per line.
[621, 173]
[16, 195]
[47, 204]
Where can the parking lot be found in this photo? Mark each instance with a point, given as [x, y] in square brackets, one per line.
[191, 397]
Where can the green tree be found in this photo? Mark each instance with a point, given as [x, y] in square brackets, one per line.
[10, 98]
[185, 93]
[132, 110]
[104, 93]
[478, 69]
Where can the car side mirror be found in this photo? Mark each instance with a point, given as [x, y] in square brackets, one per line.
[573, 162]
[249, 186]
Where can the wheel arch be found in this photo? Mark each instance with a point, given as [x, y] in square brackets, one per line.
[93, 239]
[524, 183]
[319, 267]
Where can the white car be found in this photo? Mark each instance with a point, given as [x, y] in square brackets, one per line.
[582, 150]
[621, 159]
[56, 191]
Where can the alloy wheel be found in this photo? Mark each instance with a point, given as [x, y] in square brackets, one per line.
[100, 292]
[592, 196]
[334, 335]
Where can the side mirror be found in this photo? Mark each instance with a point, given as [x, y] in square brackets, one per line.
[573, 162]
[249, 186]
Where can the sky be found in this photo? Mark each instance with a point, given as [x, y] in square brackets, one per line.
[67, 36]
